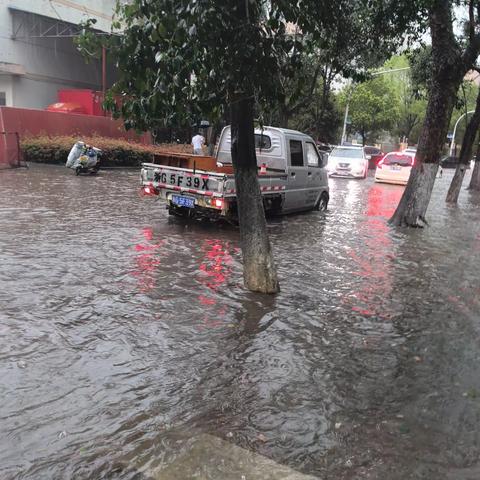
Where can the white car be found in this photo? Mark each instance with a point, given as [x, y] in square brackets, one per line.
[395, 167]
[348, 162]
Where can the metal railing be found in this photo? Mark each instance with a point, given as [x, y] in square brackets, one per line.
[10, 150]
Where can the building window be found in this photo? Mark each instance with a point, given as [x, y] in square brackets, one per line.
[3, 99]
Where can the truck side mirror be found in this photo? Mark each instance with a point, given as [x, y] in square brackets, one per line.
[324, 159]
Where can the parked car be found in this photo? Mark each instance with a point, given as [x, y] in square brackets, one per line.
[349, 162]
[324, 147]
[411, 150]
[374, 155]
[395, 167]
[449, 161]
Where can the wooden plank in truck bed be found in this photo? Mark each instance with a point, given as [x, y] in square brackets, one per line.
[190, 161]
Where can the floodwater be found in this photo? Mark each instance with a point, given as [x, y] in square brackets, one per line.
[126, 333]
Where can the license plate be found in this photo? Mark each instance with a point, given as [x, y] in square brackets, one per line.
[181, 180]
[395, 167]
[182, 201]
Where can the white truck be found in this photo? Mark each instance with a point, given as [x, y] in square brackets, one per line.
[291, 175]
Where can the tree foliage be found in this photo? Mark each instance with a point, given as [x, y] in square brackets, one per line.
[420, 61]
[179, 60]
[305, 98]
[372, 108]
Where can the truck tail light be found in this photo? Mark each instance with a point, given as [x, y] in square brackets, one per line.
[217, 203]
[149, 190]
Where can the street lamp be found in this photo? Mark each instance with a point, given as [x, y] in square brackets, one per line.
[452, 143]
[374, 74]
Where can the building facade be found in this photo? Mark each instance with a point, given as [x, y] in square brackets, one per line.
[37, 53]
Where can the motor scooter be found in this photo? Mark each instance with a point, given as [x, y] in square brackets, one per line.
[84, 159]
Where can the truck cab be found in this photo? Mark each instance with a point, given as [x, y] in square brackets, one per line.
[291, 153]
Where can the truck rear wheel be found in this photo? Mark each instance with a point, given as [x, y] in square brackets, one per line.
[273, 205]
[322, 202]
[179, 211]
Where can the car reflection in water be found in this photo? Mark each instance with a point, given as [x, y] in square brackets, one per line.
[214, 272]
[374, 256]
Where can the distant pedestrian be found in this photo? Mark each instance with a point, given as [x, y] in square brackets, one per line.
[197, 143]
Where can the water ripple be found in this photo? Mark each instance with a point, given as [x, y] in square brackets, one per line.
[126, 333]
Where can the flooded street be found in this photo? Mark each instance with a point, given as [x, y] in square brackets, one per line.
[126, 333]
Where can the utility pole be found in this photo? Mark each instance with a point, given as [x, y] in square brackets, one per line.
[104, 75]
[345, 118]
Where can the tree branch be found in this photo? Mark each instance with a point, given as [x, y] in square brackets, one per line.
[471, 21]
[473, 48]
[309, 94]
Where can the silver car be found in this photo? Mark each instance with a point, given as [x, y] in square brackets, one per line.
[348, 162]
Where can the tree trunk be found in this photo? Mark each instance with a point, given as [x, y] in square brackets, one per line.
[259, 270]
[475, 180]
[465, 154]
[284, 116]
[447, 74]
[212, 137]
[364, 138]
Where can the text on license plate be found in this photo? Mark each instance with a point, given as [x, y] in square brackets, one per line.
[395, 167]
[180, 180]
[182, 201]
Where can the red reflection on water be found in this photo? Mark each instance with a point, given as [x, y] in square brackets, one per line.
[383, 200]
[206, 301]
[215, 270]
[147, 262]
[148, 233]
[216, 264]
[373, 255]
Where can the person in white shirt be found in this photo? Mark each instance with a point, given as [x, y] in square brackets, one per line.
[197, 143]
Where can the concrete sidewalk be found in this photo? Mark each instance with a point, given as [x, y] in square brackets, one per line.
[211, 458]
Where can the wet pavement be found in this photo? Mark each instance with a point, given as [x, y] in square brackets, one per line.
[126, 335]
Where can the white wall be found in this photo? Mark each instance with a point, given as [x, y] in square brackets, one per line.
[6, 86]
[72, 11]
[49, 63]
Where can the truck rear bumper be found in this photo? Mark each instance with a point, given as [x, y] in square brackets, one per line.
[204, 205]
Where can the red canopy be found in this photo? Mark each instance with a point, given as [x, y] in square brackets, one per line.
[66, 107]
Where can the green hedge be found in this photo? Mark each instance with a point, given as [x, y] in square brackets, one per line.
[115, 152]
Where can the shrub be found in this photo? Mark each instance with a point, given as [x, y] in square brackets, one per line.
[115, 152]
